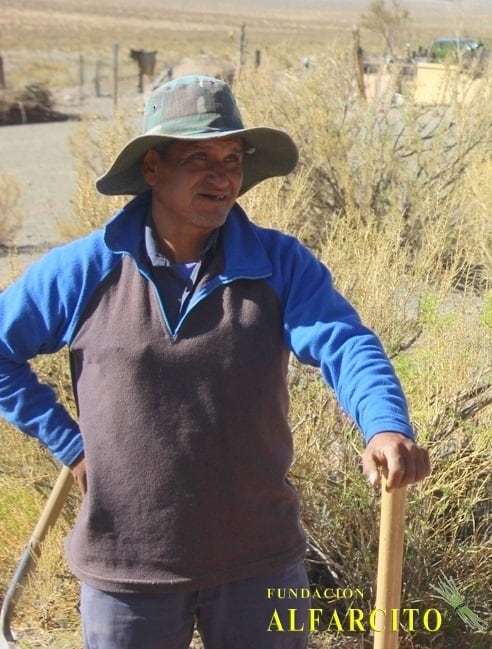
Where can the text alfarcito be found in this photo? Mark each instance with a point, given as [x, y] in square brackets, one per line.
[377, 620]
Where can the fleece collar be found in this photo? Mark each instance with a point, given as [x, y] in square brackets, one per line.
[245, 255]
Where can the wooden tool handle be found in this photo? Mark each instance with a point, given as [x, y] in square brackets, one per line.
[390, 563]
[52, 509]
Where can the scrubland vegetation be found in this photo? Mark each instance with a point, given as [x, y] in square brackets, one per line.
[396, 199]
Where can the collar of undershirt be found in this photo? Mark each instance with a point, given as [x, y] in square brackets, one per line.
[154, 251]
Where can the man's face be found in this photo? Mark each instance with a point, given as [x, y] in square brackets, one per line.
[195, 184]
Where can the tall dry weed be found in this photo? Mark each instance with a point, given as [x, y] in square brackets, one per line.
[94, 145]
[378, 158]
[396, 208]
[441, 345]
[10, 211]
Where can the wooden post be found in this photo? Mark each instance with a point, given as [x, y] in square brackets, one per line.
[2, 77]
[257, 59]
[115, 74]
[97, 78]
[359, 63]
[242, 49]
[81, 78]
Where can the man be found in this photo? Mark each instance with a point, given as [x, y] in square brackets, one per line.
[180, 316]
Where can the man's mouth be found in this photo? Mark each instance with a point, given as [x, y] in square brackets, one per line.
[215, 197]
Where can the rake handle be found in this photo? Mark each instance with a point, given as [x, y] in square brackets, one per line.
[390, 564]
[49, 515]
[53, 507]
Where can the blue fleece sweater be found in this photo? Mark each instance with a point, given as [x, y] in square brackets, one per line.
[40, 313]
[185, 430]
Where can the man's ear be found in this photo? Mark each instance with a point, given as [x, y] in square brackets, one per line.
[148, 166]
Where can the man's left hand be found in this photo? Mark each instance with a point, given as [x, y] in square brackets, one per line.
[401, 459]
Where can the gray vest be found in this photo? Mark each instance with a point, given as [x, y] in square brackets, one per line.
[187, 441]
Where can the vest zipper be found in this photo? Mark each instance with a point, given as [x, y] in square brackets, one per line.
[210, 288]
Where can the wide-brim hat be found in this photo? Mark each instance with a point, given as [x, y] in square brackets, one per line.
[196, 108]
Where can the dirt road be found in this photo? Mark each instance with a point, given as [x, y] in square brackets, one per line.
[39, 158]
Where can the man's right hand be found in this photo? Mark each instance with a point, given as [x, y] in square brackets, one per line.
[79, 473]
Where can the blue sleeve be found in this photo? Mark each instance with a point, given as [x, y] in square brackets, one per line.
[323, 329]
[39, 314]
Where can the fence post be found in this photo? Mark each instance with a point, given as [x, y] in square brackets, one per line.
[242, 49]
[115, 74]
[97, 78]
[81, 78]
[2, 76]
[257, 59]
[359, 64]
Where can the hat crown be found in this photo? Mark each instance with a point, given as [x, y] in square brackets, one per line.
[191, 105]
[198, 107]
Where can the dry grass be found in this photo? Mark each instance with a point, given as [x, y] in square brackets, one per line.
[415, 260]
[95, 147]
[10, 212]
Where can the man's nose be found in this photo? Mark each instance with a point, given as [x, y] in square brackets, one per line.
[217, 170]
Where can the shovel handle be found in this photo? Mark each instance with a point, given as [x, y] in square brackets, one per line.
[390, 564]
[49, 515]
[52, 509]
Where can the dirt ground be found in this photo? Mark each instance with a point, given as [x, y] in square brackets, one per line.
[39, 158]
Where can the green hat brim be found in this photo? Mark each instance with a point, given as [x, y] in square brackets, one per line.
[271, 152]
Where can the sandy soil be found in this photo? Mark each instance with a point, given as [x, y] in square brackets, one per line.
[38, 158]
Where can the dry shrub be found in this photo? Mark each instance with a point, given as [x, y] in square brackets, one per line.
[477, 188]
[95, 145]
[400, 212]
[34, 103]
[441, 341]
[10, 212]
[372, 160]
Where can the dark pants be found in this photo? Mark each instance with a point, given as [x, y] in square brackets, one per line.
[248, 614]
